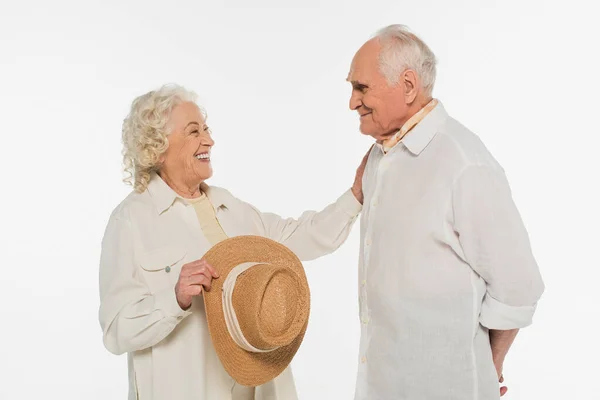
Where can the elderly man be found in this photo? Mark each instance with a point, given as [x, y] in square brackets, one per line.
[447, 275]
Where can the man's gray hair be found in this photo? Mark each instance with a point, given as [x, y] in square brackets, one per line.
[402, 50]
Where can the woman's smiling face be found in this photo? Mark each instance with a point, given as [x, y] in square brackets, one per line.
[187, 158]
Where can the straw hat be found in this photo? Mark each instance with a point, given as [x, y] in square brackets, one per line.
[257, 310]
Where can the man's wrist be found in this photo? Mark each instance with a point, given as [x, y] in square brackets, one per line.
[498, 357]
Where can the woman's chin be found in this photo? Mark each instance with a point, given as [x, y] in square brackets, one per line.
[206, 174]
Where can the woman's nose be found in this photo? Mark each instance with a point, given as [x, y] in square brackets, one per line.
[207, 141]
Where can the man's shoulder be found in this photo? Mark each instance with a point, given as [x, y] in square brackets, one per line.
[466, 144]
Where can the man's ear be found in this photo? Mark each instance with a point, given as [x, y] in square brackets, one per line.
[410, 85]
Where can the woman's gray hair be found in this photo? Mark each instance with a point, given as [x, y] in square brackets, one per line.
[144, 132]
[402, 50]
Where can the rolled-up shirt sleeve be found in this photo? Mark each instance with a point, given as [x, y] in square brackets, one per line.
[496, 245]
[315, 233]
[132, 318]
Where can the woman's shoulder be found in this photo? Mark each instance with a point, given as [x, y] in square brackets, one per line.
[133, 204]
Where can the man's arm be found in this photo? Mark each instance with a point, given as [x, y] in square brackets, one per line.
[500, 341]
[496, 245]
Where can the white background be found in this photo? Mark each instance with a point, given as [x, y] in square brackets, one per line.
[522, 74]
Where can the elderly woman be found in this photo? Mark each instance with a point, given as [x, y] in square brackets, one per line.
[151, 268]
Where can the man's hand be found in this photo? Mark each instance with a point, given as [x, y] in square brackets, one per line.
[500, 342]
[499, 365]
[193, 278]
[357, 186]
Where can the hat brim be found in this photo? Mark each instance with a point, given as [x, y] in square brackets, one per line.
[247, 368]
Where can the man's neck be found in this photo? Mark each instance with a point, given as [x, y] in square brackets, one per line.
[414, 108]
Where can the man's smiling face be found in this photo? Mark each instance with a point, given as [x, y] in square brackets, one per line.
[382, 108]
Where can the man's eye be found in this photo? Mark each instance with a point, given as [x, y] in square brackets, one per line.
[195, 132]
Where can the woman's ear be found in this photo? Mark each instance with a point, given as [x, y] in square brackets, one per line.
[161, 161]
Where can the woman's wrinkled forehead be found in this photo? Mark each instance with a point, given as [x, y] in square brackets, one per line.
[184, 114]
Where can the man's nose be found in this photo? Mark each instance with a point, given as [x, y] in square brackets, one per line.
[355, 101]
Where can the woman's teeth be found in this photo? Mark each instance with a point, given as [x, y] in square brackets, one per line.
[203, 156]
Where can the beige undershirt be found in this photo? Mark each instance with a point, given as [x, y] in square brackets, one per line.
[208, 220]
[214, 233]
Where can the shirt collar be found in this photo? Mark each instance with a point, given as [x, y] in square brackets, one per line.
[218, 197]
[423, 133]
[163, 196]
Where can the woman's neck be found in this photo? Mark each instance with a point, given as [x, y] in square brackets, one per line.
[184, 189]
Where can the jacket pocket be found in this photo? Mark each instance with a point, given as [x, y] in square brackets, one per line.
[161, 266]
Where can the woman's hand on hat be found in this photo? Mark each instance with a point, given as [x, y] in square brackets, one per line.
[193, 279]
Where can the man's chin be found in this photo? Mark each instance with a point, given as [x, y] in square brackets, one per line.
[368, 132]
[376, 133]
